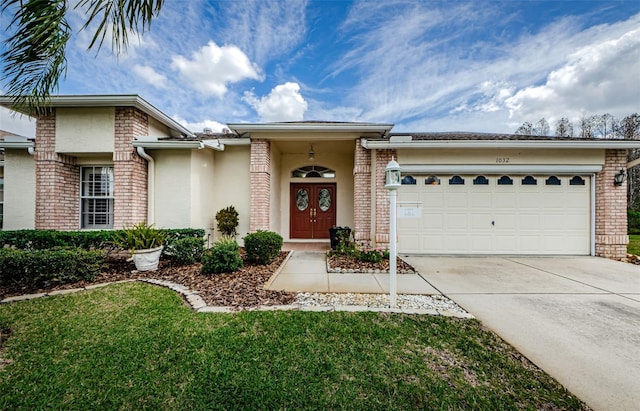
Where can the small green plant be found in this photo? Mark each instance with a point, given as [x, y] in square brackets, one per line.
[633, 221]
[140, 236]
[346, 245]
[223, 257]
[227, 220]
[262, 247]
[372, 255]
[186, 250]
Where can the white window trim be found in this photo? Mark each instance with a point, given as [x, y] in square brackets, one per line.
[82, 198]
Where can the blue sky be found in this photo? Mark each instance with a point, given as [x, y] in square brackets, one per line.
[422, 65]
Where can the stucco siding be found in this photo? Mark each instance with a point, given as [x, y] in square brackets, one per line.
[203, 189]
[501, 156]
[172, 188]
[232, 186]
[19, 190]
[157, 129]
[85, 130]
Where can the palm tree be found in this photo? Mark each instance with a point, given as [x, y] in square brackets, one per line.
[35, 52]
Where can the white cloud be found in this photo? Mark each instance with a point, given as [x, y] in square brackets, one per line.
[598, 78]
[149, 75]
[264, 29]
[283, 103]
[199, 126]
[212, 68]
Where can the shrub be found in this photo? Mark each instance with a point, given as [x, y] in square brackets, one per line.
[262, 246]
[223, 257]
[187, 250]
[42, 239]
[227, 220]
[374, 255]
[140, 236]
[633, 221]
[42, 268]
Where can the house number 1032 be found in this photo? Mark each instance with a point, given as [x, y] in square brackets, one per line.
[502, 160]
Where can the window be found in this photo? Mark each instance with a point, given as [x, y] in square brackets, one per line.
[505, 181]
[529, 181]
[313, 171]
[576, 181]
[408, 180]
[553, 181]
[96, 197]
[456, 181]
[480, 181]
[432, 181]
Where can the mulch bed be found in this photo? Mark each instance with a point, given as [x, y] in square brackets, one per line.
[347, 263]
[240, 289]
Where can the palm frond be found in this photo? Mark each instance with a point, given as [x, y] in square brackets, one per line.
[119, 17]
[35, 52]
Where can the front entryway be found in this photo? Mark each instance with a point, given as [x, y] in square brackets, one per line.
[313, 209]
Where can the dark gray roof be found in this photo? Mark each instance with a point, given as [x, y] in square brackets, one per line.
[464, 135]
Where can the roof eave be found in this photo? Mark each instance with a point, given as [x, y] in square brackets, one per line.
[110, 100]
[556, 144]
[245, 128]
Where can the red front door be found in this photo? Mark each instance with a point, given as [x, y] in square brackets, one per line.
[313, 210]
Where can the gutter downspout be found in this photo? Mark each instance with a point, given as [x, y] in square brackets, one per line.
[151, 183]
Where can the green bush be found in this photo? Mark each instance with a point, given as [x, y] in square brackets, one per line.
[262, 246]
[374, 255]
[187, 250]
[633, 221]
[43, 268]
[223, 257]
[43, 239]
[85, 239]
[139, 236]
[227, 220]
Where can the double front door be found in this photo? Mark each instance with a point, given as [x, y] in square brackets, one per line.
[313, 209]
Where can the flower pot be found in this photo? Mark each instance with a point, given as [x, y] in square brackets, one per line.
[147, 260]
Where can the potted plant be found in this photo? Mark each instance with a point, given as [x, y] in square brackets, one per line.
[145, 243]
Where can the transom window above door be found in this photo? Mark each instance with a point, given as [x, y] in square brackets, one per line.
[313, 171]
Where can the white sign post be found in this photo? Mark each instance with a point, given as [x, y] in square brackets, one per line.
[392, 179]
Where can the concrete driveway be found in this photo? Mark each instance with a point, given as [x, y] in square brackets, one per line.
[578, 318]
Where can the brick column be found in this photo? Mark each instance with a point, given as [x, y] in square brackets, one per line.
[611, 208]
[362, 193]
[57, 180]
[260, 172]
[382, 197]
[129, 170]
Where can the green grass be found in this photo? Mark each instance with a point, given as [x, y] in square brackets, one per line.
[634, 244]
[136, 346]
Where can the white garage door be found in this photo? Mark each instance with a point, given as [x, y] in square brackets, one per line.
[511, 214]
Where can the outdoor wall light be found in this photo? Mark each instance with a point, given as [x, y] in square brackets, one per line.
[312, 154]
[392, 175]
[619, 178]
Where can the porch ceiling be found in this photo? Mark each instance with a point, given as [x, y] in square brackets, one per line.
[302, 147]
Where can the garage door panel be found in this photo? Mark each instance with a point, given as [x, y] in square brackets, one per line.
[528, 219]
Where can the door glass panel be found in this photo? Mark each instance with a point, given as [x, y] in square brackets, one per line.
[302, 199]
[324, 199]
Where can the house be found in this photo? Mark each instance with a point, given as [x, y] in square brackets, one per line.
[108, 161]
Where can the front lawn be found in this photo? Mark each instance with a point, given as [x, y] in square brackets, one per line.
[634, 244]
[136, 346]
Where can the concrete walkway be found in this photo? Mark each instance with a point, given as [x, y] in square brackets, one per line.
[307, 271]
[578, 318]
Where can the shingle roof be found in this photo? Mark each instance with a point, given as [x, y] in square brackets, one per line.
[464, 135]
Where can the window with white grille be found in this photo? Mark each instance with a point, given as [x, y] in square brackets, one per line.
[96, 197]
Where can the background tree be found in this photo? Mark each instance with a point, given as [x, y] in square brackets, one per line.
[564, 128]
[35, 56]
[630, 130]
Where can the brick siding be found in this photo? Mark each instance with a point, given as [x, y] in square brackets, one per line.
[611, 208]
[129, 169]
[382, 197]
[57, 180]
[362, 194]
[260, 176]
